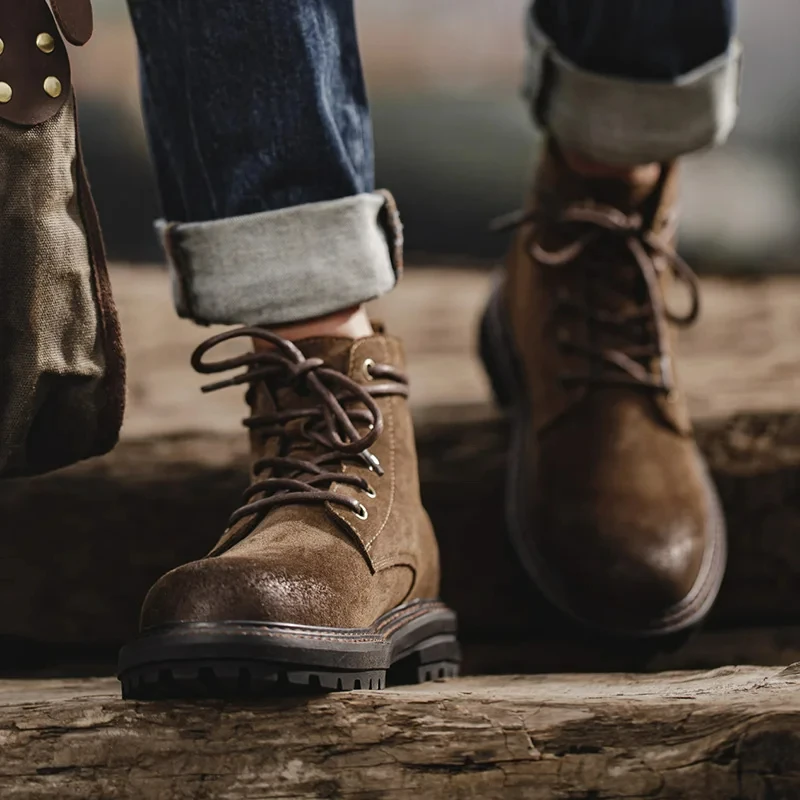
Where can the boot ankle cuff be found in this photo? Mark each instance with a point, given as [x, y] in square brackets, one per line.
[627, 122]
[287, 265]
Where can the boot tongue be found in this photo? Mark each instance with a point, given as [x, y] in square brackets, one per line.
[628, 196]
[558, 182]
[616, 285]
[333, 350]
[269, 399]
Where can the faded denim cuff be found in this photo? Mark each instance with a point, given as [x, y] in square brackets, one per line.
[285, 266]
[626, 122]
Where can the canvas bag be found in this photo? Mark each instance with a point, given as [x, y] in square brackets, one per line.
[62, 370]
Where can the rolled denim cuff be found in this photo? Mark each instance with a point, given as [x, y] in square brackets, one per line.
[627, 122]
[285, 266]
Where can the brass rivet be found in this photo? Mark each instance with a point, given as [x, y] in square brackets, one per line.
[45, 42]
[5, 92]
[52, 86]
[2, 46]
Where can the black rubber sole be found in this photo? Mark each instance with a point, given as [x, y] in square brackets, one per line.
[501, 363]
[411, 644]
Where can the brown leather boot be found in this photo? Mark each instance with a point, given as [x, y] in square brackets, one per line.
[328, 575]
[609, 503]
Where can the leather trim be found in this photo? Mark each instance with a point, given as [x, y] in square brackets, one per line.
[112, 411]
[24, 67]
[75, 19]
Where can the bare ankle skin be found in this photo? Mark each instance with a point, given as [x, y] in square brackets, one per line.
[352, 323]
[586, 167]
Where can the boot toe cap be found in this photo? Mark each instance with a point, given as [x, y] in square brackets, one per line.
[632, 580]
[247, 589]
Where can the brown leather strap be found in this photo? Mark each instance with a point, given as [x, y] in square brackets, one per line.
[111, 412]
[75, 19]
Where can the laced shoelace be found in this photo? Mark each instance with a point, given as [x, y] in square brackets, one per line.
[643, 327]
[330, 427]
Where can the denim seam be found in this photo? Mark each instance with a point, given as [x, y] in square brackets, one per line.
[192, 127]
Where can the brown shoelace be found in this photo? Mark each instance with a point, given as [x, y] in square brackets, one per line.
[644, 325]
[329, 427]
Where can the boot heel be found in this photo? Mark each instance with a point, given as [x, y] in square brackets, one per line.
[496, 352]
[435, 658]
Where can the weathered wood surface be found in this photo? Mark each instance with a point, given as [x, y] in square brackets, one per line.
[743, 355]
[84, 545]
[81, 547]
[731, 733]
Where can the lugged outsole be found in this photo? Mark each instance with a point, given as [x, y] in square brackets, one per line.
[230, 679]
[413, 643]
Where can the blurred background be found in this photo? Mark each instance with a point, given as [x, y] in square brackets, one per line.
[454, 141]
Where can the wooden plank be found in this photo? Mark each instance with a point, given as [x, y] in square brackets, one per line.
[82, 546]
[85, 544]
[743, 355]
[734, 732]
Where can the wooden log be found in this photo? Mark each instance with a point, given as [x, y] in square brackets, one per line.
[730, 733]
[743, 355]
[82, 546]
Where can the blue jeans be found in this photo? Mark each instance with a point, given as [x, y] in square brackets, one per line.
[256, 109]
[638, 39]
[252, 105]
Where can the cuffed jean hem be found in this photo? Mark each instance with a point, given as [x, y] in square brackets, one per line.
[285, 266]
[627, 122]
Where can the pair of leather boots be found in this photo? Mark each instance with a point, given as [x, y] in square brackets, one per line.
[328, 574]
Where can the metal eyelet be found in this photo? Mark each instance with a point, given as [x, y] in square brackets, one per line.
[370, 492]
[366, 368]
[362, 512]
